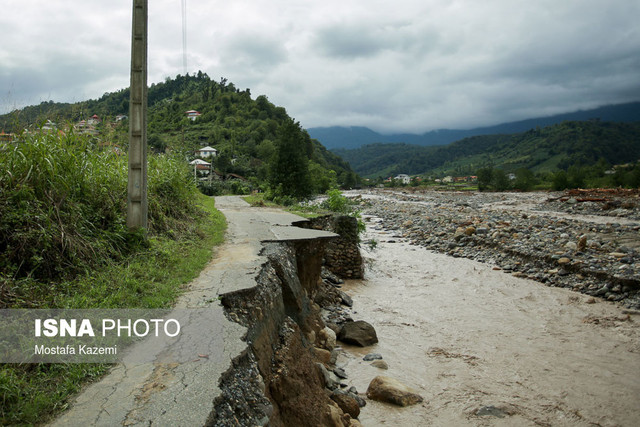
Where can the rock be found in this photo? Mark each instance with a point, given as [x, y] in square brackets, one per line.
[372, 356]
[346, 299]
[471, 230]
[334, 355]
[380, 364]
[387, 389]
[326, 274]
[572, 201]
[347, 403]
[336, 415]
[358, 333]
[564, 261]
[490, 410]
[340, 373]
[322, 355]
[327, 338]
[330, 380]
[354, 423]
[582, 244]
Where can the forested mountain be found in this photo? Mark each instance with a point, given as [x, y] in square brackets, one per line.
[543, 149]
[242, 129]
[354, 136]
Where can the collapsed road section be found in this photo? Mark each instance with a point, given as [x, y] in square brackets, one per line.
[261, 324]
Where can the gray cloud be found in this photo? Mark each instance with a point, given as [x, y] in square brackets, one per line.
[410, 65]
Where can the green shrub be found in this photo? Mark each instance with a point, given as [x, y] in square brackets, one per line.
[219, 188]
[336, 202]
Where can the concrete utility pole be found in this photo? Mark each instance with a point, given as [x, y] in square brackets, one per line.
[137, 184]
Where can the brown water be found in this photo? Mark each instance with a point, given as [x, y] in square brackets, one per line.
[468, 337]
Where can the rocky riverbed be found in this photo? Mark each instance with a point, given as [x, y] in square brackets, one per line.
[585, 241]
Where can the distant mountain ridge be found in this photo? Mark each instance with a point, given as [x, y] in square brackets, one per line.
[544, 149]
[356, 136]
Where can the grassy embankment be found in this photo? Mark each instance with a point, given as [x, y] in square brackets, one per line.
[64, 244]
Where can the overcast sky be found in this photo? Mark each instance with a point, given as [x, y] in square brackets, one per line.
[403, 65]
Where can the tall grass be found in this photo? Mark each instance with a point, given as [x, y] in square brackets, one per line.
[62, 210]
[64, 243]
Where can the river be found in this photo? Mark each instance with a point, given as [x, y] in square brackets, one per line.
[485, 348]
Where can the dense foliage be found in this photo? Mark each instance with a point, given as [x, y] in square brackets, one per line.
[63, 203]
[245, 131]
[549, 149]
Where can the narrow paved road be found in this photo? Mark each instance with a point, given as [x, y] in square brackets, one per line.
[177, 386]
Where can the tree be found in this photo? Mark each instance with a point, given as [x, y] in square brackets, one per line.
[560, 181]
[525, 180]
[290, 167]
[223, 163]
[500, 180]
[485, 177]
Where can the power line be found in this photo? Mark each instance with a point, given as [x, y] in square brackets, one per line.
[184, 36]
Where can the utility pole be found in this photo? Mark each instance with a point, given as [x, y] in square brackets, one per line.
[137, 184]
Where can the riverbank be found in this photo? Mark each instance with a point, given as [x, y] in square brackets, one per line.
[487, 348]
[554, 238]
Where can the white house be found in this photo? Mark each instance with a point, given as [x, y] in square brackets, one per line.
[193, 114]
[207, 152]
[403, 178]
[200, 166]
[447, 179]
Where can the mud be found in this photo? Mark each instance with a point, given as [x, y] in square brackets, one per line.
[487, 348]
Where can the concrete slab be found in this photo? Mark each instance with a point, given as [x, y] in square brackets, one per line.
[169, 393]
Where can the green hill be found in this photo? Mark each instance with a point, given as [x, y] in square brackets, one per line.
[548, 149]
[242, 129]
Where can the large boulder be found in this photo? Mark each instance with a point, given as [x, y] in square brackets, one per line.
[348, 404]
[390, 390]
[358, 333]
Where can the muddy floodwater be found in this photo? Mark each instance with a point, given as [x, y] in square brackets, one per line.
[486, 348]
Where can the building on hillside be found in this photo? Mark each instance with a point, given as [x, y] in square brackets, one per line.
[121, 117]
[93, 120]
[49, 125]
[193, 115]
[200, 167]
[83, 126]
[207, 152]
[7, 137]
[403, 178]
[447, 179]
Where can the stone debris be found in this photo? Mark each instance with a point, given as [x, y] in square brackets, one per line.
[372, 356]
[358, 333]
[390, 390]
[584, 246]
